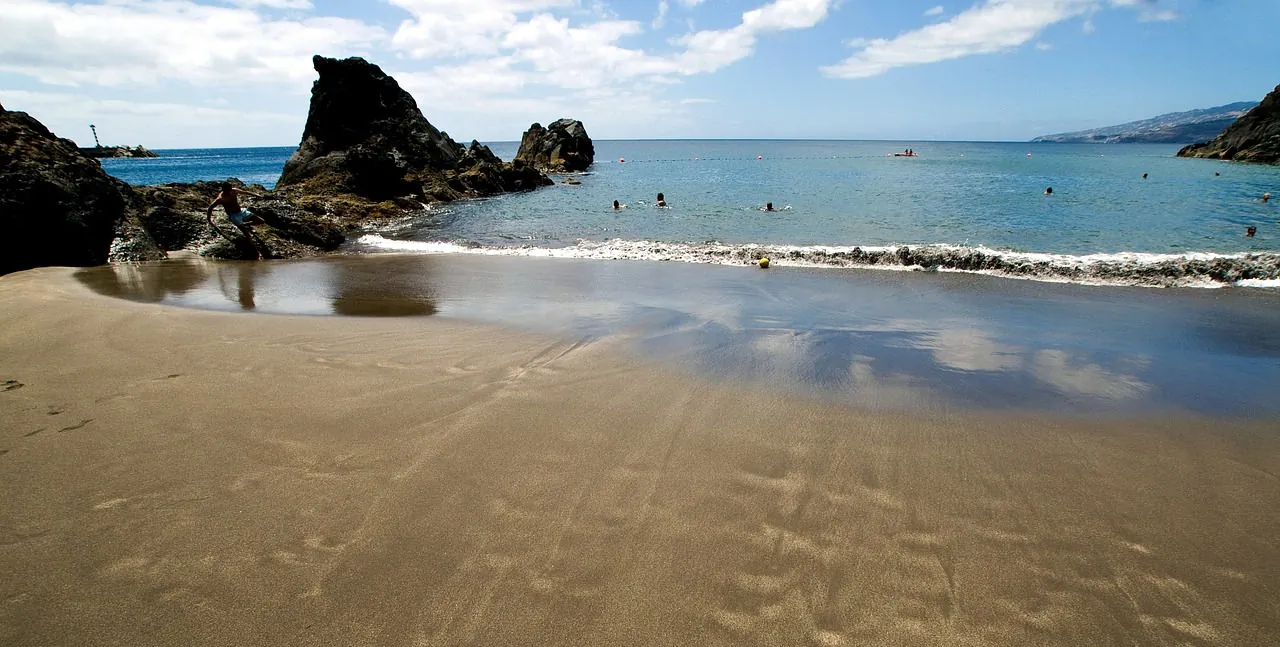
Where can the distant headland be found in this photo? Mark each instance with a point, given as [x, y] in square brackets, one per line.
[99, 151]
[117, 151]
[1172, 128]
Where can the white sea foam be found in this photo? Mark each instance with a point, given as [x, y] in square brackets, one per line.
[1192, 269]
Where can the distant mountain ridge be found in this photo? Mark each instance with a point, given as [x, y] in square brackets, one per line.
[1173, 128]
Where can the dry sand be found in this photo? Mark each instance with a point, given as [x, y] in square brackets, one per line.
[176, 477]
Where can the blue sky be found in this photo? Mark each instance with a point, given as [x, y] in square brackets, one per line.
[187, 73]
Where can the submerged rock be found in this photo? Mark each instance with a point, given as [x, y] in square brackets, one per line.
[367, 141]
[1255, 137]
[57, 207]
[561, 147]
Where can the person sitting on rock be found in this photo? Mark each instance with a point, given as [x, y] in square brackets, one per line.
[239, 216]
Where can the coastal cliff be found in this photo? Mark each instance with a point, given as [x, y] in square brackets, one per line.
[368, 151]
[562, 147]
[1255, 137]
[57, 207]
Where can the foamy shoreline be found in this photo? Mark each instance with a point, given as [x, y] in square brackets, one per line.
[1193, 269]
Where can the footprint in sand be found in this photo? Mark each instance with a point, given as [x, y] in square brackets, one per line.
[78, 426]
[11, 385]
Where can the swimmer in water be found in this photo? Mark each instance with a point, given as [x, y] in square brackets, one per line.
[1144, 176]
[1250, 231]
[1048, 191]
[662, 200]
[1266, 197]
[768, 206]
[616, 205]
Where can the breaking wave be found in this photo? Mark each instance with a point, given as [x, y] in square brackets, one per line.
[1193, 269]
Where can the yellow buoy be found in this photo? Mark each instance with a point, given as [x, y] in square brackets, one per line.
[764, 263]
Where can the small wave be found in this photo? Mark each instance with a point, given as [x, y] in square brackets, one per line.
[1194, 269]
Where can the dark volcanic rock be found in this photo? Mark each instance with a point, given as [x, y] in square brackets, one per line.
[57, 207]
[365, 140]
[1254, 137]
[172, 217]
[117, 151]
[561, 147]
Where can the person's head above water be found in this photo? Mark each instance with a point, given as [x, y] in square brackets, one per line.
[768, 206]
[616, 205]
[1048, 191]
[661, 197]
[1250, 231]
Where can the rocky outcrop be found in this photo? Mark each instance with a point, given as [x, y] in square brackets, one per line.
[561, 147]
[368, 151]
[117, 151]
[171, 217]
[57, 207]
[1254, 137]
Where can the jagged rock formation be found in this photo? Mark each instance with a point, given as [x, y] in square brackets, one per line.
[57, 207]
[171, 217]
[1173, 128]
[561, 147]
[117, 151]
[1254, 137]
[368, 151]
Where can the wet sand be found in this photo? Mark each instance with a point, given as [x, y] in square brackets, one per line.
[878, 339]
[186, 477]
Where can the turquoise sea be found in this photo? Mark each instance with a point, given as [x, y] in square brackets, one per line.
[832, 197]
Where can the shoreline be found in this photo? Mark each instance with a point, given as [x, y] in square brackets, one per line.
[192, 477]
[1212, 270]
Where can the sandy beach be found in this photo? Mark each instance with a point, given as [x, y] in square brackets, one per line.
[182, 477]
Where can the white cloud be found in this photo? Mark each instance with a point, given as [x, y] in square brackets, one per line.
[661, 19]
[707, 51]
[936, 11]
[1158, 15]
[991, 27]
[128, 42]
[131, 122]
[505, 46]
[1043, 47]
[1088, 27]
[271, 4]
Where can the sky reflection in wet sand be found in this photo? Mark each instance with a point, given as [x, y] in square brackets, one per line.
[877, 339]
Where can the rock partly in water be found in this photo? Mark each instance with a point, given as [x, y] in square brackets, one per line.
[117, 151]
[1255, 137]
[367, 151]
[57, 207]
[561, 147]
